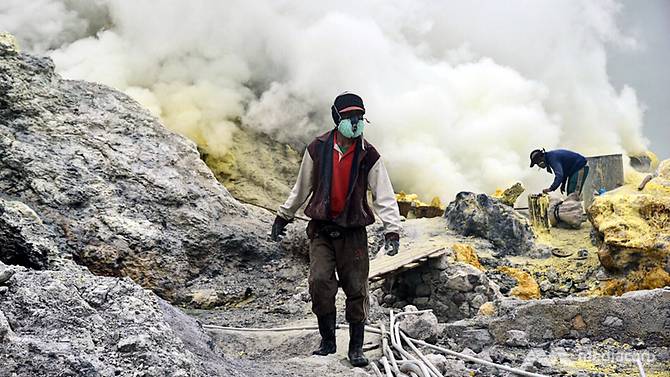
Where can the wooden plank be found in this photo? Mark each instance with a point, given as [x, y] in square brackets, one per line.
[411, 257]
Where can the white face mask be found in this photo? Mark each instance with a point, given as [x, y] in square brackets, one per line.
[351, 130]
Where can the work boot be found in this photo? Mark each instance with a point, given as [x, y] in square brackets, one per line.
[327, 331]
[356, 335]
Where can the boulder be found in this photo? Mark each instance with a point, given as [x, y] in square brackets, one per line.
[640, 314]
[118, 191]
[24, 240]
[467, 334]
[483, 216]
[633, 230]
[419, 326]
[70, 322]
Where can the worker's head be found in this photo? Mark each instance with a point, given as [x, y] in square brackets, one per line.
[348, 111]
[537, 158]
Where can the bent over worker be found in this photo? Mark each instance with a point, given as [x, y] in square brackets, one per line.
[337, 170]
[567, 166]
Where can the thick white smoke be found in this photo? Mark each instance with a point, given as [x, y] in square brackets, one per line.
[458, 93]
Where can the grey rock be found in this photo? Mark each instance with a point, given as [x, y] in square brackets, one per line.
[465, 310]
[389, 299]
[422, 290]
[612, 321]
[552, 275]
[6, 275]
[91, 325]
[478, 301]
[421, 302]
[482, 216]
[441, 263]
[469, 352]
[453, 295]
[134, 343]
[642, 314]
[439, 360]
[116, 189]
[516, 338]
[536, 359]
[24, 239]
[448, 367]
[476, 339]
[419, 326]
[545, 286]
[460, 282]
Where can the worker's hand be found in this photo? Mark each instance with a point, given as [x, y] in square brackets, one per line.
[391, 243]
[546, 191]
[279, 228]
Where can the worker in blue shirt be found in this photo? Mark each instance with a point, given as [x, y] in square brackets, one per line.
[567, 166]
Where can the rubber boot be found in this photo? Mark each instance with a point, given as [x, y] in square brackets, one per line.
[327, 331]
[356, 335]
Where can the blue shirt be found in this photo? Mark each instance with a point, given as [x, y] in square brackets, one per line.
[563, 163]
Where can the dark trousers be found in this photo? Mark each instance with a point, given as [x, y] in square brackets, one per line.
[348, 255]
[577, 180]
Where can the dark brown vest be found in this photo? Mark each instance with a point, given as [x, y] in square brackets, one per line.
[357, 212]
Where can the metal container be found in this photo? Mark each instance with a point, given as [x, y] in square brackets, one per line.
[605, 172]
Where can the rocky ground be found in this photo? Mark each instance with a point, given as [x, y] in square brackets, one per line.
[117, 243]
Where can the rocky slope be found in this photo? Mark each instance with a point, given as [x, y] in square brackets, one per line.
[119, 192]
[62, 320]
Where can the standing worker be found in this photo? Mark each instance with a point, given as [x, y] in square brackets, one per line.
[337, 170]
[567, 166]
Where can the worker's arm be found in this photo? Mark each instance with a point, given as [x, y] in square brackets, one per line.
[383, 199]
[301, 190]
[557, 167]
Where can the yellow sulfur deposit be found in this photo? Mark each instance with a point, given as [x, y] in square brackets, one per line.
[9, 40]
[538, 204]
[410, 198]
[487, 309]
[410, 203]
[467, 254]
[526, 287]
[257, 169]
[635, 230]
[509, 195]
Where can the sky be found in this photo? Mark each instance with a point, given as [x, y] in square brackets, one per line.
[647, 69]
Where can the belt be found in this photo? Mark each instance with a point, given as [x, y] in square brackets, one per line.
[331, 231]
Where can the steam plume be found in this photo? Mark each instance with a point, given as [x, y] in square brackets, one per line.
[459, 93]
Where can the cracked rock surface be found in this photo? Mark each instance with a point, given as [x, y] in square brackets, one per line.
[119, 192]
[70, 323]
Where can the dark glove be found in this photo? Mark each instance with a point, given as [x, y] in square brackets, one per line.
[278, 228]
[391, 243]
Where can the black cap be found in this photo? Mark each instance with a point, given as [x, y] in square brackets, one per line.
[346, 102]
[536, 156]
